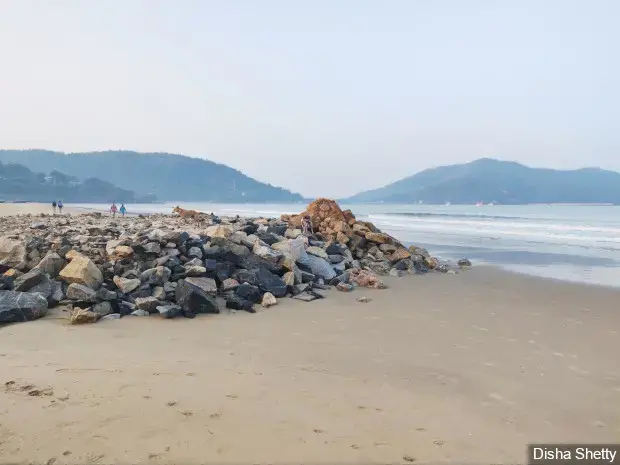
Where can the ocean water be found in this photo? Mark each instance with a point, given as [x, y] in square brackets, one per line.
[572, 243]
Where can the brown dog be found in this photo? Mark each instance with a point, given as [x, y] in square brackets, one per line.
[185, 213]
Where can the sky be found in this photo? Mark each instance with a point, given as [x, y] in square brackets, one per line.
[326, 98]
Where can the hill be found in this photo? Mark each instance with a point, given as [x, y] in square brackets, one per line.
[488, 180]
[167, 176]
[19, 183]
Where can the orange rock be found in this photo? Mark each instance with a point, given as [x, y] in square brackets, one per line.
[364, 278]
[378, 238]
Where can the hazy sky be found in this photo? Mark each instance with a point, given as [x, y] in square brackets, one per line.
[325, 97]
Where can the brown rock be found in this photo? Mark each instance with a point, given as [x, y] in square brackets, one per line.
[400, 254]
[378, 238]
[12, 252]
[431, 263]
[365, 278]
[82, 270]
[81, 316]
[123, 251]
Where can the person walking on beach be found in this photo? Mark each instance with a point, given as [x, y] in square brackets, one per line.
[123, 210]
[113, 209]
[54, 206]
[60, 205]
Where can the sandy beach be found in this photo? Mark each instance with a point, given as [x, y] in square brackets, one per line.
[438, 368]
[9, 209]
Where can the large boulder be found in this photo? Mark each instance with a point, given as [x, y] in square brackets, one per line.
[364, 278]
[29, 280]
[12, 252]
[269, 282]
[81, 316]
[248, 292]
[266, 252]
[193, 299]
[82, 270]
[207, 285]
[148, 304]
[321, 268]
[19, 306]
[51, 264]
[219, 230]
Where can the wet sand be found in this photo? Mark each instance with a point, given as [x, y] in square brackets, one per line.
[439, 368]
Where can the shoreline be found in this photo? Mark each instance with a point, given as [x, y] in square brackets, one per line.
[37, 208]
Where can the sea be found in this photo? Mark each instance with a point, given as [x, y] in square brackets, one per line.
[579, 243]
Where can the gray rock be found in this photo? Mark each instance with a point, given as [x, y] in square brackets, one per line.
[51, 264]
[80, 292]
[194, 252]
[102, 308]
[159, 293]
[207, 285]
[148, 304]
[195, 295]
[269, 282]
[169, 287]
[305, 296]
[27, 281]
[320, 267]
[317, 252]
[111, 316]
[170, 311]
[152, 247]
[19, 306]
[139, 313]
[464, 263]
[57, 293]
[126, 285]
[106, 294]
[156, 276]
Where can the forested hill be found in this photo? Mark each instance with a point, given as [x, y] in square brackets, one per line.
[20, 183]
[167, 176]
[487, 180]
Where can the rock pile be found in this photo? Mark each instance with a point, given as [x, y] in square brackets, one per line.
[101, 268]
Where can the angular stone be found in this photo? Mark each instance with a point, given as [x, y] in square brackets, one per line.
[106, 294]
[321, 268]
[266, 252]
[126, 285]
[82, 270]
[159, 293]
[269, 282]
[191, 296]
[289, 278]
[27, 281]
[344, 287]
[152, 248]
[81, 316]
[12, 252]
[207, 285]
[81, 293]
[170, 311]
[51, 264]
[19, 306]
[400, 254]
[195, 270]
[102, 308]
[317, 252]
[269, 300]
[148, 304]
[123, 251]
[111, 316]
[219, 231]
[156, 276]
[464, 263]
[169, 287]
[305, 296]
[248, 292]
[140, 313]
[57, 293]
[235, 302]
[229, 284]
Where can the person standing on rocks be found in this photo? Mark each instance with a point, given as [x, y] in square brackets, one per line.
[123, 210]
[113, 209]
[54, 206]
[306, 226]
[60, 205]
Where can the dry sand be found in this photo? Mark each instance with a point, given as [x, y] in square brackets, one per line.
[465, 368]
[8, 209]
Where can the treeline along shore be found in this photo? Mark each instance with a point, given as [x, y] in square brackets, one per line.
[97, 267]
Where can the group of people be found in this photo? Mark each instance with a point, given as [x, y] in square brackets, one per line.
[114, 209]
[58, 205]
